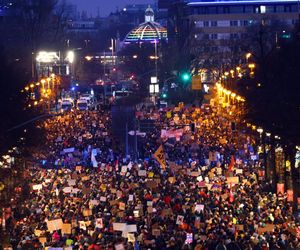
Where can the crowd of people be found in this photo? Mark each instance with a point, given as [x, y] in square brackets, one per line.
[85, 194]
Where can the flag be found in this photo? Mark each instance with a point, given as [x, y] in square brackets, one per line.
[231, 164]
[160, 157]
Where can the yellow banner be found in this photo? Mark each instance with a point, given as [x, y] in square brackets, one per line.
[160, 157]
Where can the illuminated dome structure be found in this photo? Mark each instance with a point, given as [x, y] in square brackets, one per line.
[149, 31]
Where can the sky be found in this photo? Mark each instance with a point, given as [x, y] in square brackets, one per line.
[105, 6]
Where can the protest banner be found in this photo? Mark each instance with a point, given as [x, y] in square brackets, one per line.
[267, 228]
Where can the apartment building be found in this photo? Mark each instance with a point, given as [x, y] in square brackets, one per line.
[224, 20]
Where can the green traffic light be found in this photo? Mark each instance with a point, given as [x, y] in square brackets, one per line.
[186, 77]
[164, 95]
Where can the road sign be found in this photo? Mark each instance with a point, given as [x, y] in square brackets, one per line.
[196, 83]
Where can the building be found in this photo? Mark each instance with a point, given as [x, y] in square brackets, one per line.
[217, 27]
[147, 32]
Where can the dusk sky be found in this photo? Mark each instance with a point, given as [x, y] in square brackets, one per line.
[105, 6]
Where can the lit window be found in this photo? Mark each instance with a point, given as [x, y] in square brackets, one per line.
[262, 9]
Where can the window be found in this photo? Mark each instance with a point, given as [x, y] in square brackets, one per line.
[199, 24]
[244, 23]
[248, 9]
[223, 36]
[270, 9]
[206, 23]
[214, 49]
[224, 23]
[234, 36]
[280, 9]
[236, 9]
[213, 36]
[263, 9]
[213, 23]
[233, 23]
[212, 10]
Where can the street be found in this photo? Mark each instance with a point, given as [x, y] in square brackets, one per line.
[206, 189]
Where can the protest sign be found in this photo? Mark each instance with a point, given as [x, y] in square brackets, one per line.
[239, 227]
[119, 246]
[37, 187]
[87, 212]
[122, 206]
[156, 232]
[54, 225]
[119, 226]
[238, 171]
[267, 228]
[151, 184]
[233, 180]
[172, 180]
[66, 229]
[199, 208]
[94, 202]
[82, 225]
[142, 173]
[99, 223]
[150, 175]
[103, 199]
[42, 240]
[71, 182]
[280, 188]
[179, 220]
[130, 198]
[69, 150]
[37, 232]
[130, 237]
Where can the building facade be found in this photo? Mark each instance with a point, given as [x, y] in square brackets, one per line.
[217, 28]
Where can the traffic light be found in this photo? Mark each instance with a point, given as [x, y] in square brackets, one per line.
[164, 95]
[185, 77]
